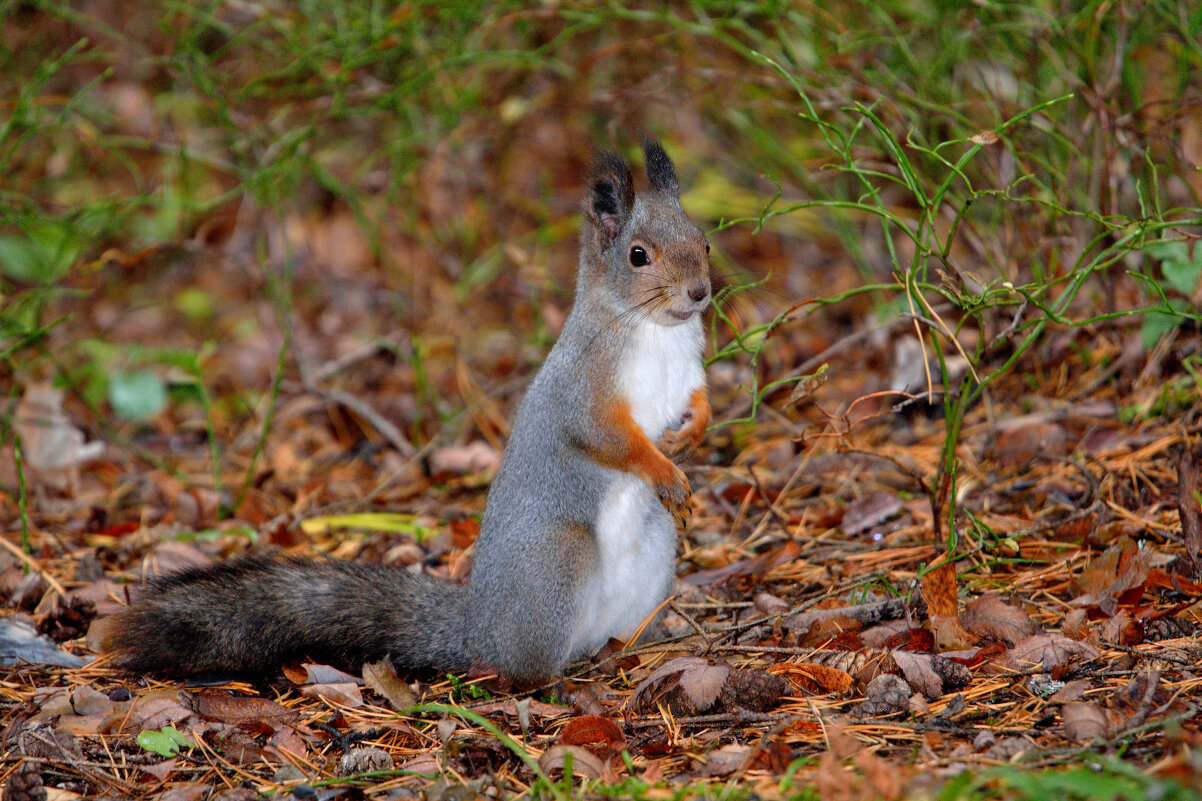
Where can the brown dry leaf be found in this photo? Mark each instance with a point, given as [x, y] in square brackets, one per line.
[1073, 691]
[475, 457]
[172, 556]
[1121, 570]
[878, 636]
[1048, 650]
[769, 604]
[1139, 691]
[884, 779]
[382, 678]
[726, 759]
[86, 701]
[1020, 440]
[537, 708]
[584, 762]
[1084, 721]
[669, 676]
[286, 742]
[185, 791]
[1191, 136]
[832, 782]
[161, 770]
[345, 694]
[864, 513]
[599, 734]
[151, 713]
[806, 387]
[311, 673]
[236, 709]
[1116, 627]
[1076, 624]
[1189, 485]
[703, 683]
[919, 673]
[950, 635]
[990, 616]
[939, 591]
[814, 677]
[50, 443]
[912, 639]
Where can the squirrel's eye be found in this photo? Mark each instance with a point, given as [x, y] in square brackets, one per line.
[638, 257]
[707, 247]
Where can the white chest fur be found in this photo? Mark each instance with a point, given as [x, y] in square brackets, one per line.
[636, 537]
[660, 371]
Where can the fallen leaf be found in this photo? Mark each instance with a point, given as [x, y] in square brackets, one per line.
[949, 634]
[475, 457]
[1048, 651]
[913, 639]
[152, 713]
[382, 678]
[310, 673]
[583, 762]
[1073, 691]
[865, 513]
[346, 694]
[919, 673]
[726, 759]
[884, 779]
[236, 708]
[601, 735]
[704, 683]
[1020, 441]
[50, 443]
[185, 791]
[1189, 505]
[1084, 721]
[990, 616]
[814, 677]
[1076, 624]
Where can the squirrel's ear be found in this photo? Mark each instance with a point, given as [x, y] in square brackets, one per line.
[611, 194]
[661, 175]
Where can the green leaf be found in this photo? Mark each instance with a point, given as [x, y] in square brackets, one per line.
[392, 522]
[165, 742]
[1158, 323]
[1180, 270]
[42, 254]
[1183, 276]
[138, 395]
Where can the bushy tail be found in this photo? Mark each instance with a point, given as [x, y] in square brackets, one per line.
[248, 616]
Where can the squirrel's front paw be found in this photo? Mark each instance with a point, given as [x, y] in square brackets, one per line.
[677, 443]
[674, 495]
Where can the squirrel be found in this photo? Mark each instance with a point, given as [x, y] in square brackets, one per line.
[577, 543]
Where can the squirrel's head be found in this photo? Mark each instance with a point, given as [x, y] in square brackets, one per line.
[640, 249]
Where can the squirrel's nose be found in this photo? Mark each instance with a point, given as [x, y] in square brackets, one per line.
[699, 292]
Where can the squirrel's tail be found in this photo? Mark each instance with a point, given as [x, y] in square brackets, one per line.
[250, 615]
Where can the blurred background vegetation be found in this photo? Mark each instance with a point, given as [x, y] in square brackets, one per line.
[206, 205]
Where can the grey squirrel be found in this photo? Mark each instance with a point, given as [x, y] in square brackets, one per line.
[578, 539]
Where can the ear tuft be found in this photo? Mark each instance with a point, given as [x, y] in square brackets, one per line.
[611, 194]
[661, 174]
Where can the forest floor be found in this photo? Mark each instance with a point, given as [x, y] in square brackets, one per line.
[272, 285]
